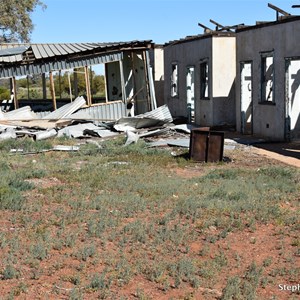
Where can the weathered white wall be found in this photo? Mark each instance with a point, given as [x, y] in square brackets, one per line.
[219, 52]
[158, 77]
[282, 38]
[224, 73]
[224, 61]
[293, 97]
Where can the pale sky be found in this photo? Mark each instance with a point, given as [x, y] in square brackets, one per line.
[158, 20]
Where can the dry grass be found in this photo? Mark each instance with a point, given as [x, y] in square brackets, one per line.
[133, 223]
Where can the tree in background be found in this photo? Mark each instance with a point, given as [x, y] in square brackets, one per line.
[16, 26]
[98, 85]
[15, 19]
[4, 93]
[62, 87]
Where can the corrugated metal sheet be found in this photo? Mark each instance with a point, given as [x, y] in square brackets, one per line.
[185, 143]
[161, 113]
[40, 58]
[50, 50]
[22, 70]
[42, 114]
[13, 51]
[157, 117]
[23, 113]
[106, 112]
[66, 110]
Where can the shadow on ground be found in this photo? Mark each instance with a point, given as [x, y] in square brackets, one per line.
[289, 149]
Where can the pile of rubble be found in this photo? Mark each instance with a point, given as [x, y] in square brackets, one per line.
[69, 121]
[72, 121]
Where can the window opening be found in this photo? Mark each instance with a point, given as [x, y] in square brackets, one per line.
[267, 81]
[174, 80]
[204, 84]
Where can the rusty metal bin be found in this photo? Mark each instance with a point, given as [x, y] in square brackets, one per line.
[206, 145]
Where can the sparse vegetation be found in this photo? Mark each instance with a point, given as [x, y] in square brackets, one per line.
[103, 218]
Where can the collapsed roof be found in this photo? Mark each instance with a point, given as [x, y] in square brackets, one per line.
[23, 59]
[221, 30]
[122, 59]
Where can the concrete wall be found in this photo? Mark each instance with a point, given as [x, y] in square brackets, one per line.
[158, 70]
[269, 119]
[219, 53]
[184, 54]
[224, 72]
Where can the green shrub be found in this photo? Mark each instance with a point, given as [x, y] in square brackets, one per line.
[9, 272]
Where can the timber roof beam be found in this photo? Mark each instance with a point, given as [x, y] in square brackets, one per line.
[279, 11]
[220, 27]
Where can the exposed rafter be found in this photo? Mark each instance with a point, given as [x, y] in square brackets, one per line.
[206, 29]
[279, 11]
[220, 27]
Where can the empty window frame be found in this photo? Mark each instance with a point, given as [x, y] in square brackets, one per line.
[190, 92]
[174, 80]
[204, 80]
[267, 78]
[292, 89]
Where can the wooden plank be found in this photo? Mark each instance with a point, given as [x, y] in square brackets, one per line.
[14, 83]
[105, 85]
[133, 79]
[206, 29]
[75, 83]
[44, 86]
[279, 10]
[219, 26]
[147, 80]
[122, 81]
[87, 86]
[52, 89]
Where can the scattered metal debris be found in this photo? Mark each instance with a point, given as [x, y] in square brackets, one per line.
[77, 131]
[66, 110]
[55, 148]
[23, 113]
[10, 133]
[65, 148]
[157, 117]
[43, 135]
[72, 122]
[155, 127]
[120, 163]
[131, 138]
[185, 143]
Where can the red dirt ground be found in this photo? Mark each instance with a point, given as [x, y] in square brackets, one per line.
[267, 242]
